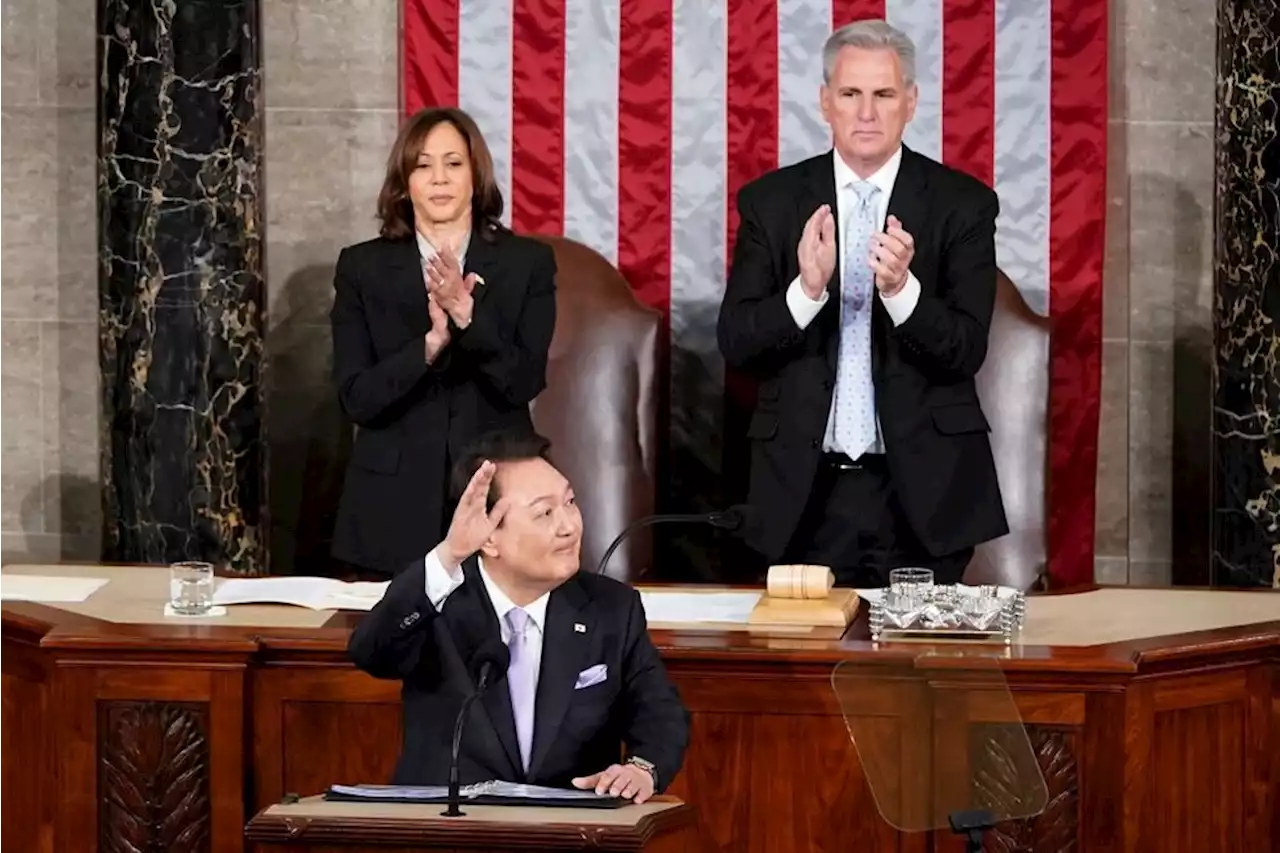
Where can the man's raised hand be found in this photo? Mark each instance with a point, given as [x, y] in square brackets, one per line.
[473, 523]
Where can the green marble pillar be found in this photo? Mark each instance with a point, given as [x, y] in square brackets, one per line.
[1246, 422]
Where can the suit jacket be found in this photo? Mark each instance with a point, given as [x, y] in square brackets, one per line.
[577, 732]
[412, 418]
[934, 429]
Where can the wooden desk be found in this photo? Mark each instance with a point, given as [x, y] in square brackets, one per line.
[1156, 732]
[315, 826]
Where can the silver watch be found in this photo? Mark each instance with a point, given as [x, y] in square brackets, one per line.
[647, 766]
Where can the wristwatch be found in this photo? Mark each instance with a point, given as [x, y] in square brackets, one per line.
[647, 766]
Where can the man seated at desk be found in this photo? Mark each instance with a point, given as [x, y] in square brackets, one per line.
[584, 677]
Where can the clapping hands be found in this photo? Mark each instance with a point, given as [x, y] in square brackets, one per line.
[450, 289]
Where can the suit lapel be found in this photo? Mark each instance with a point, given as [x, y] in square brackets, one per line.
[564, 652]
[822, 190]
[482, 258]
[910, 203]
[910, 200]
[404, 266]
[471, 614]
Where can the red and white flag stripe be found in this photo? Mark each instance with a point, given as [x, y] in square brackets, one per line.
[629, 125]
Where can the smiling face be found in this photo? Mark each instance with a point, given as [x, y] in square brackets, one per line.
[441, 183]
[538, 543]
[867, 103]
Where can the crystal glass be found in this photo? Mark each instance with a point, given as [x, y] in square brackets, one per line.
[910, 585]
[191, 588]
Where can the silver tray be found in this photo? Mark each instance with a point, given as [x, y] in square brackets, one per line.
[948, 613]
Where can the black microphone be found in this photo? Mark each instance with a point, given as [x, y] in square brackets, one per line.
[488, 666]
[730, 519]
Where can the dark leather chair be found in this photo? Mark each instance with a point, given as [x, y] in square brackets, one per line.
[599, 408]
[1013, 386]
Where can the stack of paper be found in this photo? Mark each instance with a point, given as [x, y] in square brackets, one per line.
[312, 592]
[47, 588]
[695, 607]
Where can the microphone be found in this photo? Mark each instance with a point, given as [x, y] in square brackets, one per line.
[488, 665]
[732, 518]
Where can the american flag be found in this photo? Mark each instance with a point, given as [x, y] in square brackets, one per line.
[629, 125]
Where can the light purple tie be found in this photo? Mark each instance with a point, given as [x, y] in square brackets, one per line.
[522, 680]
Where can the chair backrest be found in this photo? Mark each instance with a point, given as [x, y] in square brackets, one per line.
[1013, 386]
[599, 406]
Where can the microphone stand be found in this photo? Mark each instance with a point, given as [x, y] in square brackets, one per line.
[455, 787]
[724, 520]
[970, 825]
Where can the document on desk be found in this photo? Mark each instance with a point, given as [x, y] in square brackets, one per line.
[48, 588]
[693, 607]
[494, 792]
[312, 592]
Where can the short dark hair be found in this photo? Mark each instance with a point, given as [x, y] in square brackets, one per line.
[395, 210]
[501, 445]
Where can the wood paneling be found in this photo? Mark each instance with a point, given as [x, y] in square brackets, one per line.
[1158, 745]
[153, 775]
[27, 753]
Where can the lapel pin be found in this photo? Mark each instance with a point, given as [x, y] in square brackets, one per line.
[579, 628]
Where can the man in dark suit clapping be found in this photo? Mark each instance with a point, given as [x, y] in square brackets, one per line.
[584, 677]
[861, 292]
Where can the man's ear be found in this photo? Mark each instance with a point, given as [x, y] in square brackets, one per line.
[489, 549]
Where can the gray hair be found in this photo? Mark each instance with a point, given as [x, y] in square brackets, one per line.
[870, 35]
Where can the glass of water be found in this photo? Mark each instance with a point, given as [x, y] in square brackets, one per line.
[191, 588]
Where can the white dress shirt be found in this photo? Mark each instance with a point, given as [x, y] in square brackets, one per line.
[440, 584]
[428, 251]
[899, 306]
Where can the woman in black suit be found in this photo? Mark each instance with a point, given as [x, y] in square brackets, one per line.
[441, 328]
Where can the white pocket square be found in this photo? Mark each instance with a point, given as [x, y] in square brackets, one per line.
[591, 675]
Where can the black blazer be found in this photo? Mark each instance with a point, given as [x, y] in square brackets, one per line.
[413, 418]
[934, 430]
[576, 732]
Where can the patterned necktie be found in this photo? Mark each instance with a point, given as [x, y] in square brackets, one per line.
[522, 681]
[855, 415]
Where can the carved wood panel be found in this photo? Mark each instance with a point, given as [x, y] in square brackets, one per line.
[999, 786]
[153, 777]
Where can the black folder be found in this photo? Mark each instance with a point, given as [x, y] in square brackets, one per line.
[493, 793]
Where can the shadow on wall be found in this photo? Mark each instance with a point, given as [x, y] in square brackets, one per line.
[308, 437]
[1192, 396]
[77, 500]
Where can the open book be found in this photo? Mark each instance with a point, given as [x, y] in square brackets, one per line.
[312, 592]
[492, 793]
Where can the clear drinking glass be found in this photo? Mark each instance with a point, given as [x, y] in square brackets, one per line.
[191, 588]
[910, 586]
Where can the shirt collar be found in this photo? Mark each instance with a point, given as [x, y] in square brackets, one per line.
[883, 178]
[537, 609]
[428, 251]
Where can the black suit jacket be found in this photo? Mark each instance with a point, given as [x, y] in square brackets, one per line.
[576, 732]
[934, 430]
[413, 418]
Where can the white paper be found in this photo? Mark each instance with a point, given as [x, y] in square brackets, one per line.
[314, 593]
[662, 606]
[48, 588]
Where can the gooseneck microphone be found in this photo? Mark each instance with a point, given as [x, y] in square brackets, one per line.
[489, 665]
[730, 519]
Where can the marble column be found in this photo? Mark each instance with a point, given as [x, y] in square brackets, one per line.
[181, 281]
[1246, 423]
